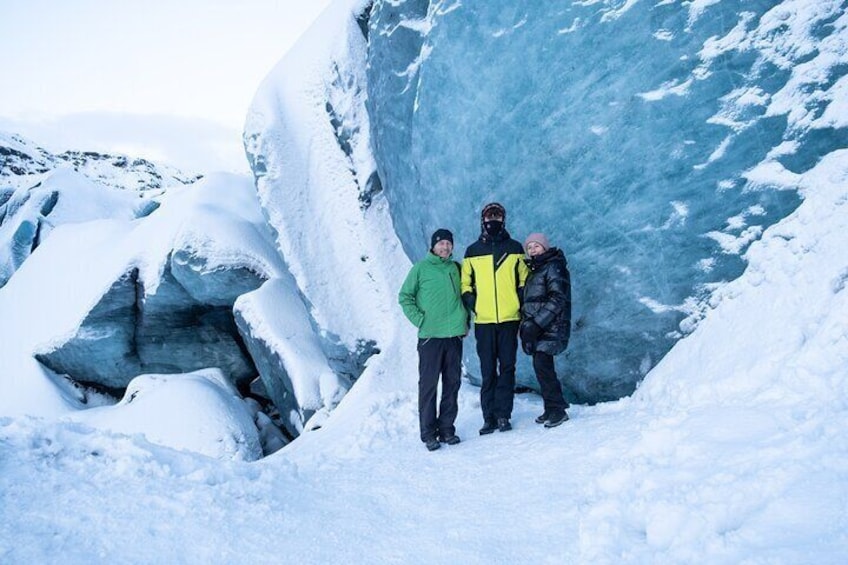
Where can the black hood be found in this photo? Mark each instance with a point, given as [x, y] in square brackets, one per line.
[549, 255]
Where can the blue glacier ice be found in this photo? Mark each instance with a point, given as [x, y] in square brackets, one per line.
[129, 332]
[170, 310]
[631, 133]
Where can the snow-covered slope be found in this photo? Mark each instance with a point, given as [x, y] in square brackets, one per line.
[307, 140]
[731, 451]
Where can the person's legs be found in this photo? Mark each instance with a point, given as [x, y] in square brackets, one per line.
[429, 362]
[451, 378]
[486, 335]
[506, 348]
[543, 365]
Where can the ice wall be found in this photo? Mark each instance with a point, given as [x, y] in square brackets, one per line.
[641, 136]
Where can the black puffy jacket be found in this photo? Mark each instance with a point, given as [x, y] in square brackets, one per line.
[547, 300]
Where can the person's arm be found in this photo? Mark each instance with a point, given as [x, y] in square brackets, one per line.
[558, 297]
[522, 272]
[406, 298]
[469, 294]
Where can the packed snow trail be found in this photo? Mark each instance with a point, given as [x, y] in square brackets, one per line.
[613, 484]
[88, 496]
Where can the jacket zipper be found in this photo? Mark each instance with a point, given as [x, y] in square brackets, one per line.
[450, 278]
[495, 277]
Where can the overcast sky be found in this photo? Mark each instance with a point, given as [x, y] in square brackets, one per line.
[165, 79]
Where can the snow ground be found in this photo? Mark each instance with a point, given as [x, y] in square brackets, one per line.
[609, 486]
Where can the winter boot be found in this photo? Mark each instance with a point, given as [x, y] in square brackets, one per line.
[432, 445]
[488, 427]
[556, 419]
[452, 439]
[542, 418]
[504, 425]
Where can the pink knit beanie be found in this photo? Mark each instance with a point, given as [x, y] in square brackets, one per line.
[538, 238]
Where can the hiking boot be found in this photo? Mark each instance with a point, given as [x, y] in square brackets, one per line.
[488, 427]
[556, 420]
[542, 418]
[432, 445]
[452, 439]
[504, 425]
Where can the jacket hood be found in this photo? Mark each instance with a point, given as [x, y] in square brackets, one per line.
[551, 254]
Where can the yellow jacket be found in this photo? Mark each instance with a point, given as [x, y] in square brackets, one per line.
[493, 276]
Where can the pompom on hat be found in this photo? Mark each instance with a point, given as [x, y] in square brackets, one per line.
[538, 238]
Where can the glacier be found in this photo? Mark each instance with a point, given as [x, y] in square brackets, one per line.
[647, 139]
[112, 295]
[170, 308]
[681, 156]
[143, 278]
[732, 449]
[40, 191]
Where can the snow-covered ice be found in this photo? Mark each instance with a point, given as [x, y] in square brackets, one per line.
[732, 449]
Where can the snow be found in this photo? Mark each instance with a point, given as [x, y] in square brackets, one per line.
[44, 303]
[75, 199]
[309, 188]
[275, 315]
[218, 425]
[732, 450]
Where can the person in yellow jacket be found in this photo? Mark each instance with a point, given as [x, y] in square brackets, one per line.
[493, 276]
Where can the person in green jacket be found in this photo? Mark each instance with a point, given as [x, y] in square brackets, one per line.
[430, 299]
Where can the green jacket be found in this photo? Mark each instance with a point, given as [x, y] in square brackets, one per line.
[430, 298]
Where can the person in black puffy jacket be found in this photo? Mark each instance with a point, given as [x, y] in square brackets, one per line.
[546, 321]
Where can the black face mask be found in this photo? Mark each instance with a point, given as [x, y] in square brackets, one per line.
[493, 227]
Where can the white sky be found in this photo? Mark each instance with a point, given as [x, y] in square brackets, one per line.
[162, 79]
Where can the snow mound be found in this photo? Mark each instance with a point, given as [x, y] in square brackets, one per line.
[198, 412]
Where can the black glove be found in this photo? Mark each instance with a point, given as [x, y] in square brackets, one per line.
[530, 331]
[470, 301]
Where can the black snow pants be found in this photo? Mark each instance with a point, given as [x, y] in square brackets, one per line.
[497, 345]
[438, 357]
[543, 364]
